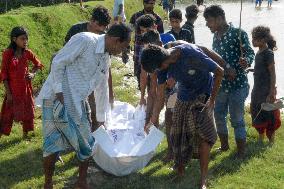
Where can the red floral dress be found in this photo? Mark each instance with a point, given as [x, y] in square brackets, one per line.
[14, 70]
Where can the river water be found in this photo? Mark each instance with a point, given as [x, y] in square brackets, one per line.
[251, 17]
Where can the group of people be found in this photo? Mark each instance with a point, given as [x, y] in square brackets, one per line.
[208, 84]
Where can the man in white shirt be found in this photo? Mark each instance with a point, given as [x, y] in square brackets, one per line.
[79, 68]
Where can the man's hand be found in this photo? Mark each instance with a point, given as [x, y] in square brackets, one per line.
[148, 125]
[59, 96]
[243, 62]
[30, 76]
[230, 74]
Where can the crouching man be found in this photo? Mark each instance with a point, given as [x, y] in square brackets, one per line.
[193, 131]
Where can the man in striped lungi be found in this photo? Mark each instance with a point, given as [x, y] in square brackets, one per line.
[193, 130]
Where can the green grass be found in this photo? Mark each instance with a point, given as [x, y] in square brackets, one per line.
[21, 160]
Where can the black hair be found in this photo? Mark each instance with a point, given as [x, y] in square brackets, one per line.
[152, 57]
[152, 37]
[16, 32]
[175, 13]
[191, 11]
[120, 30]
[263, 32]
[214, 11]
[146, 21]
[101, 15]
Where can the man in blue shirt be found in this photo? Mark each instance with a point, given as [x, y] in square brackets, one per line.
[193, 130]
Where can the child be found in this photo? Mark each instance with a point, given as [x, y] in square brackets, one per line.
[191, 16]
[264, 90]
[18, 104]
[178, 32]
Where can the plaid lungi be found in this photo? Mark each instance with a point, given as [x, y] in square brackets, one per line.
[190, 127]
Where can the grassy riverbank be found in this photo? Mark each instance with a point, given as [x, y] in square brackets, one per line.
[21, 160]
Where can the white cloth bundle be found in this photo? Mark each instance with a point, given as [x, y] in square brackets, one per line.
[124, 147]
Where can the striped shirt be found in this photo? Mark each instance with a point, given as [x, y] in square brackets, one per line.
[81, 65]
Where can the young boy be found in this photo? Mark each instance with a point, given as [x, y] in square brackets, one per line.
[191, 16]
[178, 32]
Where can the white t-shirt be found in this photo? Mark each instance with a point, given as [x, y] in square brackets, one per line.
[116, 9]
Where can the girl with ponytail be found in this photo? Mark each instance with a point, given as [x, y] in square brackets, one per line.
[264, 89]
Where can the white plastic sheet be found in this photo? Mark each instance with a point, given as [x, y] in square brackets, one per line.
[124, 147]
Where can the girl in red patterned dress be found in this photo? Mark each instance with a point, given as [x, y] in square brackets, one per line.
[18, 104]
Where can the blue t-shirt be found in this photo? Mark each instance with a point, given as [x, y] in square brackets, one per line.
[192, 72]
[167, 37]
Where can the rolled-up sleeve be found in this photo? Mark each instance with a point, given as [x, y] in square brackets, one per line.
[67, 55]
